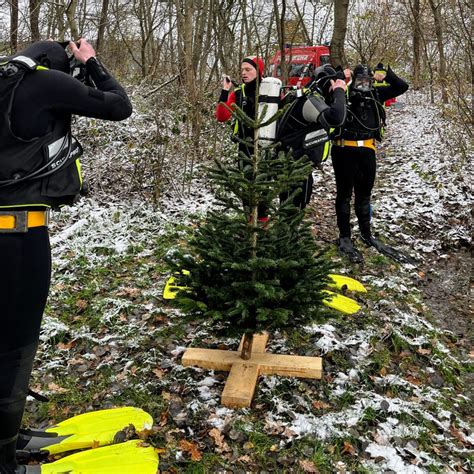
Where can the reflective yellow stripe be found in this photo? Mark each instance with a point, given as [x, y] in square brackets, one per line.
[78, 167]
[327, 148]
[10, 206]
[35, 219]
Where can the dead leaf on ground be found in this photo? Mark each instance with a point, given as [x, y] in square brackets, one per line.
[81, 304]
[348, 448]
[319, 405]
[424, 351]
[129, 292]
[66, 346]
[191, 448]
[459, 435]
[55, 388]
[308, 466]
[158, 372]
[218, 438]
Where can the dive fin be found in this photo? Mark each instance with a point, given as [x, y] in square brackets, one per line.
[93, 429]
[341, 281]
[131, 457]
[171, 288]
[341, 303]
[394, 254]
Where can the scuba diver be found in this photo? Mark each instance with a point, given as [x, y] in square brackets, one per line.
[304, 127]
[353, 155]
[245, 97]
[39, 170]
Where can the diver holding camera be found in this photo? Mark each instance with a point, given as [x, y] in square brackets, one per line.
[39, 170]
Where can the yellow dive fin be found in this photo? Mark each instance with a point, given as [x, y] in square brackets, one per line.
[93, 429]
[126, 458]
[341, 281]
[170, 290]
[341, 303]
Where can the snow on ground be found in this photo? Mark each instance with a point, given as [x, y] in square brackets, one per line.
[421, 202]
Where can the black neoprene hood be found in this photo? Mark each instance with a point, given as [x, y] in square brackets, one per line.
[49, 54]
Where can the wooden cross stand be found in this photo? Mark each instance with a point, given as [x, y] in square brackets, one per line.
[243, 374]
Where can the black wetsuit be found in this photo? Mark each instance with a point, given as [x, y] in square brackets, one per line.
[355, 167]
[307, 114]
[42, 99]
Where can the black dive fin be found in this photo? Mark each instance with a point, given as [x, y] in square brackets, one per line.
[394, 254]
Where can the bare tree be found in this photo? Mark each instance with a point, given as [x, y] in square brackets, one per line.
[436, 7]
[13, 25]
[339, 33]
[34, 19]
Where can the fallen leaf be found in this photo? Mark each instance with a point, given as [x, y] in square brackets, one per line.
[218, 438]
[81, 304]
[459, 435]
[383, 372]
[158, 372]
[129, 292]
[319, 405]
[55, 388]
[191, 448]
[348, 448]
[95, 444]
[248, 445]
[424, 351]
[66, 346]
[308, 466]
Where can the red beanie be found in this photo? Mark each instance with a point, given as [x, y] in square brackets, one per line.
[256, 62]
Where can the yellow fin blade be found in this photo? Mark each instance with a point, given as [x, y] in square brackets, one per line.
[341, 281]
[131, 457]
[96, 428]
[341, 303]
[171, 288]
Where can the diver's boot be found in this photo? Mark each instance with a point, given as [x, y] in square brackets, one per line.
[346, 247]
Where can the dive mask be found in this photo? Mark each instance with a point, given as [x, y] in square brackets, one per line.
[363, 80]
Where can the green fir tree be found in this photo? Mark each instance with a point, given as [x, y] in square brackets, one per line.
[245, 276]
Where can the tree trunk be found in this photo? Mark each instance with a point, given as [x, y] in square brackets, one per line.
[416, 45]
[102, 24]
[13, 25]
[280, 24]
[436, 10]
[246, 352]
[34, 19]
[338, 57]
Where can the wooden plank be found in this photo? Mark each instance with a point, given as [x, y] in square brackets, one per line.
[259, 342]
[240, 385]
[290, 365]
[269, 364]
[213, 359]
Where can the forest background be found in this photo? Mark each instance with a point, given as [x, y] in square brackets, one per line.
[176, 51]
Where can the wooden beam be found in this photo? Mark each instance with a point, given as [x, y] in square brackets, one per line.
[269, 364]
[240, 386]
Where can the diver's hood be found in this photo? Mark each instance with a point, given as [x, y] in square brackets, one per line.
[49, 54]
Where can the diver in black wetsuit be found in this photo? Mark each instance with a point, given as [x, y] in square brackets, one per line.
[304, 128]
[39, 170]
[353, 153]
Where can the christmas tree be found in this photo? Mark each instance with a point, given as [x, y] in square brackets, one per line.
[246, 276]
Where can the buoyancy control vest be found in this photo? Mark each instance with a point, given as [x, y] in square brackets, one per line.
[302, 137]
[366, 117]
[40, 172]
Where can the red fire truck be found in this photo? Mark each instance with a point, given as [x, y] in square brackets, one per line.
[303, 60]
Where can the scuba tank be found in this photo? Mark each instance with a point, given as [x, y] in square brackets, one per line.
[268, 101]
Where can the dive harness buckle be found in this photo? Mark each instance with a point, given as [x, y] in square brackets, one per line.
[20, 221]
